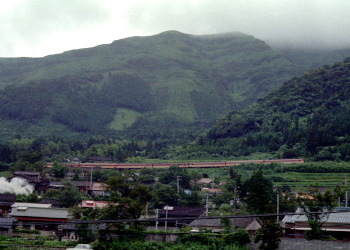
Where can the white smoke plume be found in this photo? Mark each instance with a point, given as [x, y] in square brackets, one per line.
[15, 186]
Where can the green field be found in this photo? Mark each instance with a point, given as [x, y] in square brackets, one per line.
[298, 176]
[300, 181]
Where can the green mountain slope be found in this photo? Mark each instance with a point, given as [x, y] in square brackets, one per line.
[139, 85]
[307, 116]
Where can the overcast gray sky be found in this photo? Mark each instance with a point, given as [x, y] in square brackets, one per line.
[41, 27]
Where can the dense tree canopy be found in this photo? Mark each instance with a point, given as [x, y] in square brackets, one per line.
[259, 193]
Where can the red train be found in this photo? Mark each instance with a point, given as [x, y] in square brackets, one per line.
[214, 164]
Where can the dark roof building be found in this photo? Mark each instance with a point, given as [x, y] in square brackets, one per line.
[31, 177]
[181, 211]
[184, 214]
[83, 186]
[6, 201]
[251, 224]
[7, 225]
[54, 202]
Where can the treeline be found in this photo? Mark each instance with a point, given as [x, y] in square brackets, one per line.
[31, 154]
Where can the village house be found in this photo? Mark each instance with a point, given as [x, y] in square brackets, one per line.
[184, 214]
[83, 186]
[211, 191]
[34, 179]
[41, 217]
[98, 189]
[28, 204]
[205, 182]
[6, 201]
[336, 224]
[251, 224]
[94, 204]
[31, 177]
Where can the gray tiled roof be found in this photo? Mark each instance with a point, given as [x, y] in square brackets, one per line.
[27, 173]
[6, 222]
[37, 212]
[334, 217]
[239, 222]
[7, 197]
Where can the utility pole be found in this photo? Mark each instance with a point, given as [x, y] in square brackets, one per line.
[166, 217]
[157, 210]
[234, 207]
[278, 205]
[207, 206]
[178, 183]
[147, 210]
[346, 191]
[346, 198]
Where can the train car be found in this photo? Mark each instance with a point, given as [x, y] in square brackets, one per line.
[181, 165]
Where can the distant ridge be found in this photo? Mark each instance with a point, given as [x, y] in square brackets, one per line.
[161, 85]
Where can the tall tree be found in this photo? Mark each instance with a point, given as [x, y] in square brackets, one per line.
[130, 195]
[260, 200]
[70, 195]
[259, 193]
[316, 207]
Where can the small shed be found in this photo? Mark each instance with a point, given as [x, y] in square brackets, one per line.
[7, 225]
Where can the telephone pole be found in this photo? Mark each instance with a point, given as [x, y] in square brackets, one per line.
[234, 207]
[278, 205]
[207, 205]
[178, 178]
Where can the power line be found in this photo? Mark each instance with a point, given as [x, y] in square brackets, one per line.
[170, 219]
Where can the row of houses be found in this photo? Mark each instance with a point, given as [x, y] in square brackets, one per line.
[43, 184]
[55, 221]
[48, 217]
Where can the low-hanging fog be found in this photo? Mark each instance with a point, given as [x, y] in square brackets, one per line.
[41, 27]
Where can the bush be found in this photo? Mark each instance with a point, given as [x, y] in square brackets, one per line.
[240, 237]
[200, 238]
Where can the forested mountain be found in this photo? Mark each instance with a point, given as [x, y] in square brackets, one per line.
[156, 86]
[307, 116]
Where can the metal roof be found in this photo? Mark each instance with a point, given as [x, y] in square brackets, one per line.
[26, 204]
[238, 222]
[39, 212]
[333, 217]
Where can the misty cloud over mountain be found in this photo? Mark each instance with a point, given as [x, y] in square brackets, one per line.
[40, 27]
